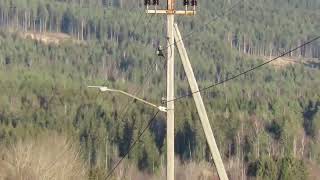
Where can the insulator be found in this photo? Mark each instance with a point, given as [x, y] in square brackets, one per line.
[194, 2]
[156, 2]
[186, 2]
[147, 2]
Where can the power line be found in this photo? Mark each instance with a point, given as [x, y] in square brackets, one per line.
[229, 79]
[138, 22]
[225, 12]
[139, 19]
[67, 146]
[247, 71]
[133, 144]
[125, 108]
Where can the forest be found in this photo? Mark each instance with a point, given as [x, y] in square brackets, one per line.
[266, 122]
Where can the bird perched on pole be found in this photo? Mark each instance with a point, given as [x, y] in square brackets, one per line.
[160, 51]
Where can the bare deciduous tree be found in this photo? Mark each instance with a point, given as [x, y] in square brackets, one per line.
[48, 157]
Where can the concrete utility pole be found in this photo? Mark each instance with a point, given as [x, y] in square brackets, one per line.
[173, 35]
[170, 91]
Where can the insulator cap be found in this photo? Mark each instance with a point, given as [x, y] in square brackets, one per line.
[186, 2]
[147, 2]
[156, 2]
[194, 2]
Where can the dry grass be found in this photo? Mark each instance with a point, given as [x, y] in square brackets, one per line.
[183, 171]
[49, 157]
[314, 170]
[283, 61]
[47, 38]
[195, 171]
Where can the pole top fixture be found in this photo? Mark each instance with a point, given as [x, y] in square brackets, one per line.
[154, 7]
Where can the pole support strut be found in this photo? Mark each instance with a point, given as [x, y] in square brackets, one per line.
[199, 104]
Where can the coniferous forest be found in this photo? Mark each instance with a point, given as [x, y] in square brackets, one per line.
[266, 122]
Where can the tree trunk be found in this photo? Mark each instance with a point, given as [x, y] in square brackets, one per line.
[244, 44]
[106, 165]
[82, 26]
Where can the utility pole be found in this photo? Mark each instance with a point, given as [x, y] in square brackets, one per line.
[170, 91]
[173, 35]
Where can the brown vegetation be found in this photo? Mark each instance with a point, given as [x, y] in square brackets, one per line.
[47, 38]
[183, 171]
[49, 157]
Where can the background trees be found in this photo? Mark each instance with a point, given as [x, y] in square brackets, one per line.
[266, 123]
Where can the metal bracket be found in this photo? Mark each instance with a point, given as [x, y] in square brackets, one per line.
[163, 109]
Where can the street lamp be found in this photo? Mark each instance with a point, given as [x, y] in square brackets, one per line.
[105, 89]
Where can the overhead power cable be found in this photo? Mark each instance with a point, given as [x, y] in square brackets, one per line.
[132, 145]
[225, 12]
[126, 106]
[138, 22]
[247, 71]
[124, 109]
[67, 147]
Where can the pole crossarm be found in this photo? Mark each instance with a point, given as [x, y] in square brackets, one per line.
[200, 105]
[175, 12]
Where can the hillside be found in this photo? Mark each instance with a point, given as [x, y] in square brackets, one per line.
[266, 122]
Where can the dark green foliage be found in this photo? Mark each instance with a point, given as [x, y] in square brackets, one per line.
[260, 117]
[275, 129]
[310, 122]
[185, 141]
[267, 169]
[290, 169]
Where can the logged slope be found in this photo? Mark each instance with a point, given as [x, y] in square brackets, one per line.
[266, 122]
